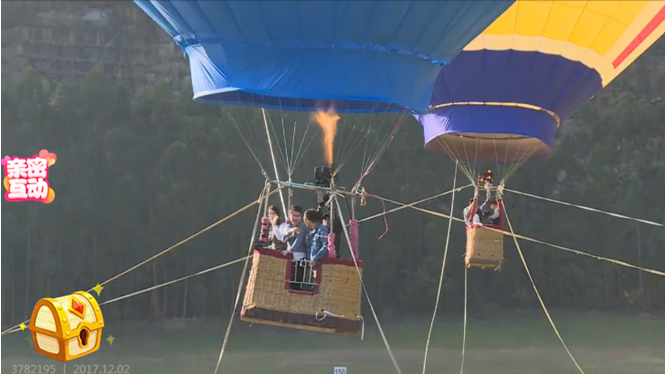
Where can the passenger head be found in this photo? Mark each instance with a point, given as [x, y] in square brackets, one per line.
[274, 212]
[493, 204]
[325, 220]
[470, 201]
[312, 218]
[295, 214]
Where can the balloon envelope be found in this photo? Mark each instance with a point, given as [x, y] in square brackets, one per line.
[373, 55]
[503, 97]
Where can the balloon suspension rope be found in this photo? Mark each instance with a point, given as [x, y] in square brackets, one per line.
[616, 215]
[264, 195]
[362, 283]
[404, 206]
[272, 156]
[17, 327]
[443, 267]
[540, 299]
[551, 245]
[466, 298]
[162, 285]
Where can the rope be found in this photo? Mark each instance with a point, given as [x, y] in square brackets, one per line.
[555, 246]
[272, 155]
[379, 154]
[383, 214]
[12, 330]
[152, 288]
[578, 252]
[362, 283]
[326, 313]
[263, 195]
[466, 289]
[443, 267]
[324, 301]
[180, 243]
[652, 223]
[244, 139]
[466, 169]
[167, 250]
[404, 206]
[362, 328]
[540, 299]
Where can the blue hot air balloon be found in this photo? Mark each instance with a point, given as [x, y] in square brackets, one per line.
[356, 56]
[291, 54]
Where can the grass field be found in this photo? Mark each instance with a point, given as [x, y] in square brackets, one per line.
[525, 344]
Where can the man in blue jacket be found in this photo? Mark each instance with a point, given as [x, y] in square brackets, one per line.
[318, 237]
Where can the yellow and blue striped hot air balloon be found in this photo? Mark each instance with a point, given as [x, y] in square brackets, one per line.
[504, 96]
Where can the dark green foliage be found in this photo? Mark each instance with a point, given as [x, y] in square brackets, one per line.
[137, 173]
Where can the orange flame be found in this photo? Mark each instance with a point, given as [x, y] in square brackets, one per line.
[328, 122]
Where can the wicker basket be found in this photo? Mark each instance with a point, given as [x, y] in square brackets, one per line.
[484, 248]
[270, 300]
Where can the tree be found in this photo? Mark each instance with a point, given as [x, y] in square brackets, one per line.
[139, 172]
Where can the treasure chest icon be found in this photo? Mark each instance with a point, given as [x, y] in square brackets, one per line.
[68, 327]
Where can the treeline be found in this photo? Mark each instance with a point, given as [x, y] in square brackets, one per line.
[139, 171]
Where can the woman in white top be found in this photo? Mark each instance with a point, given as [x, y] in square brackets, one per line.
[476, 219]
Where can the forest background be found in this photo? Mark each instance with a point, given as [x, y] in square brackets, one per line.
[141, 166]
